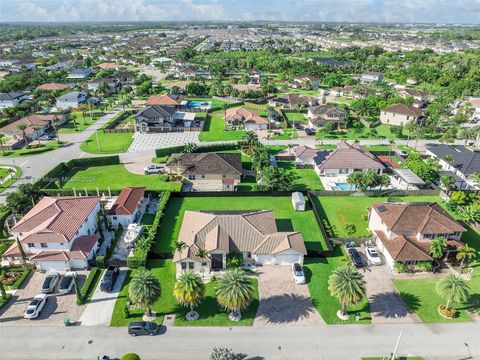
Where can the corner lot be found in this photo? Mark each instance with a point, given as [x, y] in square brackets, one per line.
[57, 308]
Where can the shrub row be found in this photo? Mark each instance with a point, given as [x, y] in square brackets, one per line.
[101, 261]
[200, 148]
[21, 279]
[140, 254]
[90, 284]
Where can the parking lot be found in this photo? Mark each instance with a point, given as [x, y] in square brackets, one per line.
[57, 308]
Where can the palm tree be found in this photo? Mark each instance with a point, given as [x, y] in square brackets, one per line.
[471, 213]
[437, 247]
[189, 290]
[354, 178]
[203, 254]
[448, 159]
[22, 127]
[466, 252]
[391, 143]
[453, 288]
[56, 126]
[476, 178]
[250, 138]
[347, 285]
[179, 246]
[234, 292]
[384, 180]
[2, 135]
[144, 289]
[175, 161]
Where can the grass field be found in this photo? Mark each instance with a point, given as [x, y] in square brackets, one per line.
[4, 172]
[286, 134]
[215, 102]
[307, 179]
[214, 129]
[116, 177]
[107, 143]
[341, 210]
[80, 123]
[317, 272]
[48, 146]
[297, 117]
[286, 218]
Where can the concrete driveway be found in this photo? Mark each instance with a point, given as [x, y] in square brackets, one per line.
[386, 305]
[57, 308]
[144, 142]
[281, 300]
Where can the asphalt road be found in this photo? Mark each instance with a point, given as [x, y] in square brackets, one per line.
[270, 342]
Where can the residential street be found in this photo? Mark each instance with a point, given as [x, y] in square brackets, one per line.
[269, 342]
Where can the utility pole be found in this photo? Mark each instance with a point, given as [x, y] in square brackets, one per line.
[394, 354]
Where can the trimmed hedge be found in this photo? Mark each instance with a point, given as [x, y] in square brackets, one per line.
[21, 279]
[200, 148]
[90, 284]
[140, 254]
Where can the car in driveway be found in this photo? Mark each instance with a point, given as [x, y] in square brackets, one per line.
[372, 256]
[143, 328]
[109, 278]
[50, 282]
[298, 274]
[35, 306]
[153, 169]
[356, 257]
[309, 131]
[67, 283]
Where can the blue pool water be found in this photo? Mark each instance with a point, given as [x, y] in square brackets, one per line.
[345, 186]
[199, 105]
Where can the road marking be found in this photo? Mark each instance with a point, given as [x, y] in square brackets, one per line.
[82, 154]
[24, 162]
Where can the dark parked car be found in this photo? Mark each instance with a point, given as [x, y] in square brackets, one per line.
[309, 131]
[50, 282]
[142, 328]
[109, 278]
[356, 258]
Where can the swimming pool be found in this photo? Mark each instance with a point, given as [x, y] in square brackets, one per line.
[204, 105]
[345, 186]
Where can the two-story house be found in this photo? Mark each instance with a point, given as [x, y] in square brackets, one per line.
[403, 231]
[71, 100]
[420, 98]
[291, 101]
[320, 114]
[400, 114]
[128, 208]
[58, 233]
[162, 118]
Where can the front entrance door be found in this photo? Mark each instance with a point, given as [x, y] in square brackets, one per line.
[217, 261]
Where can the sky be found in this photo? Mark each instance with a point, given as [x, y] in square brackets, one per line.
[405, 11]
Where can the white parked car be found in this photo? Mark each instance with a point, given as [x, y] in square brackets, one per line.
[67, 283]
[372, 256]
[35, 307]
[298, 274]
[153, 169]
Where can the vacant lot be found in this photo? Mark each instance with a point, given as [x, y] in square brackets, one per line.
[103, 143]
[287, 219]
[78, 122]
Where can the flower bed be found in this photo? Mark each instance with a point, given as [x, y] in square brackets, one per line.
[449, 313]
[14, 277]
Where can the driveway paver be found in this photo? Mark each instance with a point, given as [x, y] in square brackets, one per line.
[57, 308]
[281, 300]
[143, 142]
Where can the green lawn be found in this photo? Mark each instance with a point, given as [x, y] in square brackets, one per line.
[4, 172]
[107, 143]
[114, 176]
[48, 146]
[211, 314]
[341, 210]
[317, 272]
[287, 219]
[286, 134]
[296, 116]
[307, 179]
[215, 102]
[214, 130]
[78, 123]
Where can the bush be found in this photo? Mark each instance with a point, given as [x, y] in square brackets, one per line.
[21, 279]
[100, 261]
[130, 356]
[447, 312]
[234, 260]
[401, 267]
[89, 284]
[426, 266]
[350, 228]
[220, 353]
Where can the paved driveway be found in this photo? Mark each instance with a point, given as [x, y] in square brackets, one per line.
[281, 300]
[386, 305]
[56, 309]
[143, 142]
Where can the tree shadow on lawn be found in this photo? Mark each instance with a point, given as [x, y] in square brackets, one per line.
[164, 239]
[286, 308]
[383, 304]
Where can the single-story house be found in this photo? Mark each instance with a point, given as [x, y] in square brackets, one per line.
[113, 84]
[290, 101]
[403, 231]
[128, 208]
[207, 171]
[464, 162]
[320, 114]
[165, 100]
[252, 233]
[248, 119]
[37, 125]
[400, 114]
[371, 76]
[11, 99]
[71, 100]
[305, 156]
[58, 233]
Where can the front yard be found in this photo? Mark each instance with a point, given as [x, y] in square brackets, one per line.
[103, 143]
[34, 149]
[286, 218]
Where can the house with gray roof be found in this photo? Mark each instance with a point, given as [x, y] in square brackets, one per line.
[11, 99]
[160, 118]
[320, 114]
[254, 234]
[82, 73]
[71, 100]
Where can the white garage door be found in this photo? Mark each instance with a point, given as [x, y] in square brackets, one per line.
[265, 259]
[288, 259]
[53, 265]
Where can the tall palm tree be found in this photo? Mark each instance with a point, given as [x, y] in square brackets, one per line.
[56, 126]
[203, 254]
[234, 291]
[175, 161]
[179, 246]
[144, 289]
[22, 127]
[189, 291]
[466, 252]
[453, 288]
[437, 247]
[347, 285]
[250, 138]
[354, 178]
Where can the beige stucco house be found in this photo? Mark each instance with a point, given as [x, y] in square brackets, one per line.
[400, 114]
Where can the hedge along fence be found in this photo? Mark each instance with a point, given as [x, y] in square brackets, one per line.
[200, 148]
[140, 253]
[57, 172]
[377, 193]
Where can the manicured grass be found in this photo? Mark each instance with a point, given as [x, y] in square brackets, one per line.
[214, 130]
[215, 102]
[4, 172]
[211, 314]
[164, 271]
[4, 301]
[80, 123]
[48, 146]
[107, 143]
[115, 177]
[90, 285]
[286, 134]
[296, 116]
[287, 219]
[247, 184]
[341, 210]
[317, 272]
[307, 179]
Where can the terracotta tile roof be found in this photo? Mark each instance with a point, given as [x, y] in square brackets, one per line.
[401, 248]
[348, 156]
[50, 255]
[127, 201]
[248, 116]
[82, 246]
[253, 231]
[404, 109]
[165, 99]
[61, 216]
[206, 163]
[424, 218]
[53, 87]
[13, 251]
[32, 121]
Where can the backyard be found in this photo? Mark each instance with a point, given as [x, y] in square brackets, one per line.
[115, 177]
[211, 314]
[286, 218]
[214, 129]
[307, 179]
